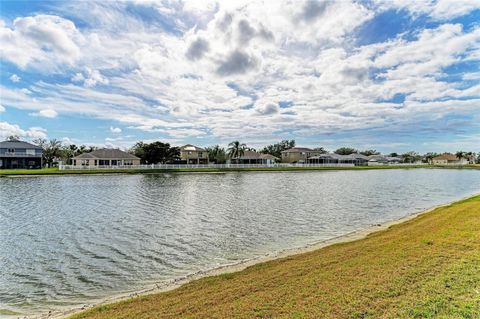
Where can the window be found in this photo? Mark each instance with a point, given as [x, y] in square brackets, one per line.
[115, 162]
[85, 162]
[127, 162]
[95, 162]
[11, 150]
[200, 154]
[30, 152]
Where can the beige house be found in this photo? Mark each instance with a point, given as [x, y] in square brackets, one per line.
[252, 157]
[191, 154]
[449, 159]
[298, 154]
[105, 157]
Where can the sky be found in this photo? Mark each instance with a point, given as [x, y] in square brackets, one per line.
[394, 75]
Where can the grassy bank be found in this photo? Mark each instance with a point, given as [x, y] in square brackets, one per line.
[56, 171]
[427, 267]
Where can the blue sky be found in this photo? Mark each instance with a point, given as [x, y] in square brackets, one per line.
[386, 75]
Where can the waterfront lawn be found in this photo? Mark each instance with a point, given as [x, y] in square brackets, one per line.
[428, 267]
[56, 171]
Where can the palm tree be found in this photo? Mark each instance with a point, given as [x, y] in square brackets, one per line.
[216, 154]
[460, 155]
[236, 149]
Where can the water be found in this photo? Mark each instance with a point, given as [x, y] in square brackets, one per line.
[69, 240]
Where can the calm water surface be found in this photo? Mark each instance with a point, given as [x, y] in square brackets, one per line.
[69, 240]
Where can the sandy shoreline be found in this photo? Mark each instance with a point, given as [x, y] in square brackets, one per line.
[172, 284]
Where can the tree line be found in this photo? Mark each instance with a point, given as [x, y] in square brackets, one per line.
[159, 152]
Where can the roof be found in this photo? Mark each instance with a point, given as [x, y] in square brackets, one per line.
[107, 153]
[255, 155]
[192, 148]
[354, 156]
[446, 157]
[268, 156]
[18, 144]
[298, 150]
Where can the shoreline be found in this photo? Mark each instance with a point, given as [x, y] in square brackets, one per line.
[169, 285]
[106, 172]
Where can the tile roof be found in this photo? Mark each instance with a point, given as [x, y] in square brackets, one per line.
[255, 155]
[446, 157]
[298, 150]
[193, 148]
[107, 153]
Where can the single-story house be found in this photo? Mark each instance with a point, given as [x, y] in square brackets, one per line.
[332, 158]
[105, 157]
[19, 154]
[252, 157]
[299, 154]
[191, 154]
[449, 159]
[382, 160]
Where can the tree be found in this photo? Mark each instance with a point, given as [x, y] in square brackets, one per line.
[369, 152]
[460, 155]
[236, 149]
[411, 157]
[429, 156]
[277, 148]
[51, 150]
[345, 151]
[216, 154]
[321, 150]
[393, 154]
[156, 152]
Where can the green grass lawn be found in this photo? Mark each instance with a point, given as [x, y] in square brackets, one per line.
[56, 171]
[428, 267]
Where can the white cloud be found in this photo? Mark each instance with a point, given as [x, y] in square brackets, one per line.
[41, 41]
[48, 113]
[115, 129]
[437, 10]
[15, 78]
[2, 108]
[222, 69]
[7, 129]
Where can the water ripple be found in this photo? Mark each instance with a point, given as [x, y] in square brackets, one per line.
[79, 238]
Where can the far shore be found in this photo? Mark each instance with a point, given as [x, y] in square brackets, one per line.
[238, 268]
[56, 171]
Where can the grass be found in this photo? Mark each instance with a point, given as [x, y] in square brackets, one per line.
[56, 171]
[428, 267]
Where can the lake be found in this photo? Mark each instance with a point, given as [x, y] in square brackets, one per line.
[69, 240]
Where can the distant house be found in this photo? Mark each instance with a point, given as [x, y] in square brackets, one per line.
[298, 154]
[332, 158]
[19, 154]
[252, 157]
[449, 159]
[382, 160]
[105, 157]
[191, 154]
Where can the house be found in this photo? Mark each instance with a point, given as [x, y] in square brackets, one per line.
[374, 160]
[449, 159]
[105, 157]
[19, 154]
[332, 158]
[252, 157]
[299, 154]
[191, 154]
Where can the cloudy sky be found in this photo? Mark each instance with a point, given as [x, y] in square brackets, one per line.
[389, 75]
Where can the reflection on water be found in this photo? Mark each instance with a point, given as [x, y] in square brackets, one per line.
[73, 239]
